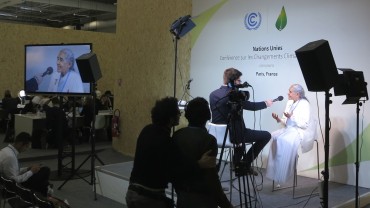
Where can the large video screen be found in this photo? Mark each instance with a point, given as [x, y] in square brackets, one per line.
[52, 69]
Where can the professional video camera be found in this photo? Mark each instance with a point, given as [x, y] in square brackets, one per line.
[237, 95]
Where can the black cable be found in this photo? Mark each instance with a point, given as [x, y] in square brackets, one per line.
[310, 196]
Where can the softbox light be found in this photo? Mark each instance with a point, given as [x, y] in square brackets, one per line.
[352, 84]
[317, 65]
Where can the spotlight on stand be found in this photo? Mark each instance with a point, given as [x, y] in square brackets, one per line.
[352, 84]
[22, 98]
[179, 28]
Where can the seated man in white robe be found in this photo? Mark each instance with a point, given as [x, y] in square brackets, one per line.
[286, 141]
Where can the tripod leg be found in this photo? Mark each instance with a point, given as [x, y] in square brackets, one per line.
[74, 173]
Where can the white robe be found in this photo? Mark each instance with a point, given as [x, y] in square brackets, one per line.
[71, 83]
[285, 141]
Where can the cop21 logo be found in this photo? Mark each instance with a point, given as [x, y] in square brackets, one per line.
[253, 20]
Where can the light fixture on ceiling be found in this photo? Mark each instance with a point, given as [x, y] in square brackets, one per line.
[34, 9]
[7, 14]
[80, 15]
[54, 20]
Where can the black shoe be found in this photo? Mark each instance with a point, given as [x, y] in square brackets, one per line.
[245, 172]
[242, 169]
[251, 171]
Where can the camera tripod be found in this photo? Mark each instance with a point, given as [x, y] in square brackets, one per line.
[235, 123]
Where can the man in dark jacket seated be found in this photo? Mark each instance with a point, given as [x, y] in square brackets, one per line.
[57, 125]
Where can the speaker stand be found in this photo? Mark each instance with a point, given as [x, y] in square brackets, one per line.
[326, 147]
[92, 156]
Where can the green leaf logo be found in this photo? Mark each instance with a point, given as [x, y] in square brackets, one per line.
[281, 20]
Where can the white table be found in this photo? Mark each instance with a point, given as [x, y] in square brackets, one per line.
[29, 122]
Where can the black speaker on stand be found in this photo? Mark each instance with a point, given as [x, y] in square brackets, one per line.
[89, 68]
[320, 74]
[90, 73]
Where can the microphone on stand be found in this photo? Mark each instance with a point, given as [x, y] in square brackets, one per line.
[280, 98]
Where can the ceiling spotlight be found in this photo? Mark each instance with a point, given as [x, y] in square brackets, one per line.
[80, 15]
[7, 14]
[30, 9]
[54, 20]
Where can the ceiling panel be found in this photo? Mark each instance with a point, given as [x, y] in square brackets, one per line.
[61, 13]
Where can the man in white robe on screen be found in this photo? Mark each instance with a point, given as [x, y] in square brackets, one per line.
[286, 141]
[66, 79]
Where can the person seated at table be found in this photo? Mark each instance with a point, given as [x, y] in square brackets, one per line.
[87, 113]
[5, 114]
[107, 100]
[10, 106]
[56, 124]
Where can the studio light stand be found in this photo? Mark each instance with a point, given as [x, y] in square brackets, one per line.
[352, 84]
[179, 28]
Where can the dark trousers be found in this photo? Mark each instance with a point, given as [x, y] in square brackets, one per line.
[39, 181]
[137, 197]
[245, 135]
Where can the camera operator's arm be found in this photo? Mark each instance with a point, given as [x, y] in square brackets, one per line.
[255, 106]
[269, 103]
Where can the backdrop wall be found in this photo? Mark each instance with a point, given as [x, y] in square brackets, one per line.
[260, 38]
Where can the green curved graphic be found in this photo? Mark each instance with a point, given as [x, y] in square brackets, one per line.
[202, 19]
[282, 20]
[348, 155]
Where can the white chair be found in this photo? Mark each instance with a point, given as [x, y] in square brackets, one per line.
[309, 138]
[101, 124]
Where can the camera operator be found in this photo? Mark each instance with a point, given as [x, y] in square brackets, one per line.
[224, 102]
